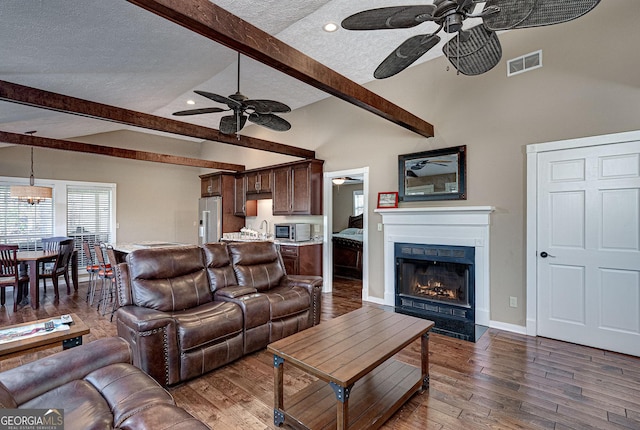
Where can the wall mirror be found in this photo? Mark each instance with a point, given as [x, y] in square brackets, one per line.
[433, 175]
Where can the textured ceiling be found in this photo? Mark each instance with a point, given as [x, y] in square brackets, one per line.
[116, 53]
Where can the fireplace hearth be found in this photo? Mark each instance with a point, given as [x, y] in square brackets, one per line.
[436, 282]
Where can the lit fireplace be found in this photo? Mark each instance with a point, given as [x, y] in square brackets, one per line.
[437, 282]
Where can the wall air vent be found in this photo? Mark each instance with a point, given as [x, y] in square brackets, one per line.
[524, 63]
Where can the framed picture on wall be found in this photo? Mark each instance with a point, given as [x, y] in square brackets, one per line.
[387, 199]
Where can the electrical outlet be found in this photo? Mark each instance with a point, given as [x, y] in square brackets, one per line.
[379, 226]
[513, 302]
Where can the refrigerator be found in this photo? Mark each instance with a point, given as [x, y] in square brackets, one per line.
[210, 219]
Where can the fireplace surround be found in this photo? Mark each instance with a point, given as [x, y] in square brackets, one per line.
[456, 226]
[436, 282]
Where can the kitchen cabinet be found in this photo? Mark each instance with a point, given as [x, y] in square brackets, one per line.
[302, 259]
[242, 206]
[222, 185]
[297, 188]
[259, 181]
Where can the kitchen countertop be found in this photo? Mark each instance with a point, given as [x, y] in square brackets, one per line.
[276, 241]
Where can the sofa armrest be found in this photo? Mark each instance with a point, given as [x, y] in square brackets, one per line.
[313, 284]
[123, 284]
[38, 377]
[234, 292]
[153, 340]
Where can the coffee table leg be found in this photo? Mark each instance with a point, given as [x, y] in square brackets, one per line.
[425, 361]
[342, 404]
[278, 416]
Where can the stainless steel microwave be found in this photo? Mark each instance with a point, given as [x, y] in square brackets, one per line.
[294, 232]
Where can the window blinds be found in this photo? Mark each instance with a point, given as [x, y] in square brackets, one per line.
[24, 224]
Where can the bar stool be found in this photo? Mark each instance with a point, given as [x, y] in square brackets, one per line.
[106, 274]
[92, 268]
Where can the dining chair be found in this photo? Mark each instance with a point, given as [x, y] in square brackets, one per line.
[113, 262]
[106, 274]
[60, 266]
[10, 275]
[49, 244]
[92, 268]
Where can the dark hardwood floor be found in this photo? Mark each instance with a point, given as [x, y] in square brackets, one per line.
[504, 381]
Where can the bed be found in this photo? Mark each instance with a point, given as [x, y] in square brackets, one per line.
[347, 250]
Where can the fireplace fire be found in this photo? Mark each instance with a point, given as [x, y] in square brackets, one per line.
[436, 282]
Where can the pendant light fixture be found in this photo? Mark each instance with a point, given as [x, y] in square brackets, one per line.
[30, 194]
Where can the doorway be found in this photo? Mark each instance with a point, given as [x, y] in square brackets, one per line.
[361, 174]
[583, 241]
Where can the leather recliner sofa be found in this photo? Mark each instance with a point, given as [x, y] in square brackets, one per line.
[97, 387]
[188, 310]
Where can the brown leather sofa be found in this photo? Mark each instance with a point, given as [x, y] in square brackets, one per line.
[188, 310]
[97, 387]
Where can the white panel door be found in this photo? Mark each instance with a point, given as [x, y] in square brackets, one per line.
[588, 259]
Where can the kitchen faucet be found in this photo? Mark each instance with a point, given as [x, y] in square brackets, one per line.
[266, 233]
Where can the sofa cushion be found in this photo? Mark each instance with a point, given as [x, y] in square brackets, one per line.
[207, 324]
[162, 417]
[169, 279]
[6, 399]
[287, 301]
[219, 267]
[256, 264]
[84, 407]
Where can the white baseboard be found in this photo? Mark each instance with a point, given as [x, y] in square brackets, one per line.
[508, 327]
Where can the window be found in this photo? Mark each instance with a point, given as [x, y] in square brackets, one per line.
[21, 223]
[358, 202]
[88, 216]
[80, 210]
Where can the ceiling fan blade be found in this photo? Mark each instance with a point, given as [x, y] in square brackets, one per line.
[229, 124]
[511, 14]
[550, 12]
[269, 120]
[534, 13]
[389, 17]
[199, 111]
[220, 99]
[267, 106]
[405, 55]
[476, 55]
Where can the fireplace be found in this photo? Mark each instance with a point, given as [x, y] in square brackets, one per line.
[438, 228]
[436, 282]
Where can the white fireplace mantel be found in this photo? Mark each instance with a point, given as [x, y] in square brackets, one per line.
[453, 225]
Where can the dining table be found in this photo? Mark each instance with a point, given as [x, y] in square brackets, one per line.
[32, 259]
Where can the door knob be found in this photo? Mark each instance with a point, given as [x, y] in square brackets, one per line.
[544, 254]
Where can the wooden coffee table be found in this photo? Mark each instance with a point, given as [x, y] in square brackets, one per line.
[68, 338]
[360, 385]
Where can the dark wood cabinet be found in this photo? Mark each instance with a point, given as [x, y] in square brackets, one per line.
[297, 189]
[259, 181]
[223, 185]
[242, 206]
[302, 259]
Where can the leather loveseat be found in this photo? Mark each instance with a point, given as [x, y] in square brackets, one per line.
[97, 388]
[190, 309]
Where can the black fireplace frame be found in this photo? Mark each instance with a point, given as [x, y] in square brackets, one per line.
[451, 319]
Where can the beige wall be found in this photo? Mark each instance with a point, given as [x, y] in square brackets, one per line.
[589, 85]
[154, 201]
[343, 204]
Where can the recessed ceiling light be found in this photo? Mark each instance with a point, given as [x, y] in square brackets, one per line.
[330, 27]
[190, 102]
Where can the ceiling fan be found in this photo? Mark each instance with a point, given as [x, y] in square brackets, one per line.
[472, 51]
[420, 164]
[258, 111]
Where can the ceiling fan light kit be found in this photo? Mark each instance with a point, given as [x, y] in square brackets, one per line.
[260, 111]
[471, 51]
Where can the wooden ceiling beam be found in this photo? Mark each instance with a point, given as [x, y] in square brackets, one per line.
[67, 145]
[211, 21]
[29, 96]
